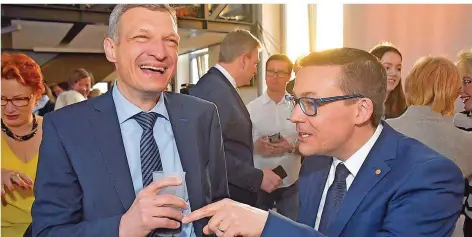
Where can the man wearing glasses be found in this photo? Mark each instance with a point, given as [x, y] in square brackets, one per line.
[274, 139]
[362, 177]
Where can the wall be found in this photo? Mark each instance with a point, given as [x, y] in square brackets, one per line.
[418, 30]
[271, 19]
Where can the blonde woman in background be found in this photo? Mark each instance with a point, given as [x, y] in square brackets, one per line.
[463, 120]
[431, 89]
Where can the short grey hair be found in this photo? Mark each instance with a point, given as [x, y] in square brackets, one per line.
[120, 9]
[236, 43]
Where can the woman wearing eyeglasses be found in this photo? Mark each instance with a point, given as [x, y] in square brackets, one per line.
[22, 86]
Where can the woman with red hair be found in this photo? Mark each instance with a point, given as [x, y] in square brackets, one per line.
[22, 87]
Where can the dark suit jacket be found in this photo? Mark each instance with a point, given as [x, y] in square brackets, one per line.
[244, 180]
[418, 192]
[83, 184]
[49, 107]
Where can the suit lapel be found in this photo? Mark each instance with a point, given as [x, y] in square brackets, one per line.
[312, 182]
[372, 171]
[242, 106]
[186, 141]
[110, 141]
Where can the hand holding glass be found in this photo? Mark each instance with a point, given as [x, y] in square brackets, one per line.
[178, 191]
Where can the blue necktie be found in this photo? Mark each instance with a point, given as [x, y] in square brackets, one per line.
[334, 198]
[150, 157]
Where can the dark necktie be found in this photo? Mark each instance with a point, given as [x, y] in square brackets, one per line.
[334, 197]
[150, 157]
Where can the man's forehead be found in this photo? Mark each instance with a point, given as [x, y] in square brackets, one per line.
[321, 70]
[315, 80]
[277, 64]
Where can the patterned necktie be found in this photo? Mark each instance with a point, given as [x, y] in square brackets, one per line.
[150, 157]
[334, 197]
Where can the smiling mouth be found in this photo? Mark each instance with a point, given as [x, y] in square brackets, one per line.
[465, 99]
[153, 69]
[304, 135]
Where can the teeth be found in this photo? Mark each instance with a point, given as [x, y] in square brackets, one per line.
[465, 99]
[304, 135]
[152, 68]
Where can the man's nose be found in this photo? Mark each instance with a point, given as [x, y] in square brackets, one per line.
[158, 50]
[297, 114]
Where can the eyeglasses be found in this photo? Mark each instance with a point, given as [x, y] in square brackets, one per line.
[309, 105]
[277, 74]
[18, 102]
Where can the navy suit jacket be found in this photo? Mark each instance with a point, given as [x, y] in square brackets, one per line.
[244, 180]
[83, 184]
[418, 192]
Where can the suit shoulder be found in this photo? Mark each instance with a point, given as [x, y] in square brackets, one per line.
[412, 153]
[193, 101]
[70, 112]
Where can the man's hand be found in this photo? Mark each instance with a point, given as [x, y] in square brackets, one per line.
[230, 218]
[263, 147]
[270, 181]
[281, 147]
[150, 210]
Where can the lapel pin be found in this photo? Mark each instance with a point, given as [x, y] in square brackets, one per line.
[378, 171]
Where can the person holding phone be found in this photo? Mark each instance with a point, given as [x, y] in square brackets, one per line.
[274, 140]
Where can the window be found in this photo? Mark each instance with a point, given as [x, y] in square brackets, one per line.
[198, 64]
[329, 25]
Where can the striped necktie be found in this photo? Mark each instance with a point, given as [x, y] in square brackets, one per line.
[150, 157]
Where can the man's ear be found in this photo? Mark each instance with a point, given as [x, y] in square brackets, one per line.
[365, 110]
[244, 60]
[109, 46]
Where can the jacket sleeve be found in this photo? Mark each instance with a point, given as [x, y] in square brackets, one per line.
[57, 209]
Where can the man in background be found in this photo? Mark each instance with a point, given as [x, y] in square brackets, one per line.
[237, 64]
[275, 149]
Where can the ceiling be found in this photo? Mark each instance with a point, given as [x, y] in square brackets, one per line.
[62, 38]
[31, 36]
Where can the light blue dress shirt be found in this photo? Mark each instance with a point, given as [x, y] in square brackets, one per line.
[131, 133]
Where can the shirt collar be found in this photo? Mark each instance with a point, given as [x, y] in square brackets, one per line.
[266, 99]
[125, 109]
[226, 74]
[354, 163]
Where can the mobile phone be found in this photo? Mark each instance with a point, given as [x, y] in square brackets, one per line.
[274, 138]
[280, 171]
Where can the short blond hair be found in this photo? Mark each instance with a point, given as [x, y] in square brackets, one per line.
[120, 9]
[464, 63]
[236, 43]
[435, 82]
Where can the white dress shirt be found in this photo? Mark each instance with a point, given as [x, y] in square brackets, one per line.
[227, 75]
[353, 164]
[268, 118]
